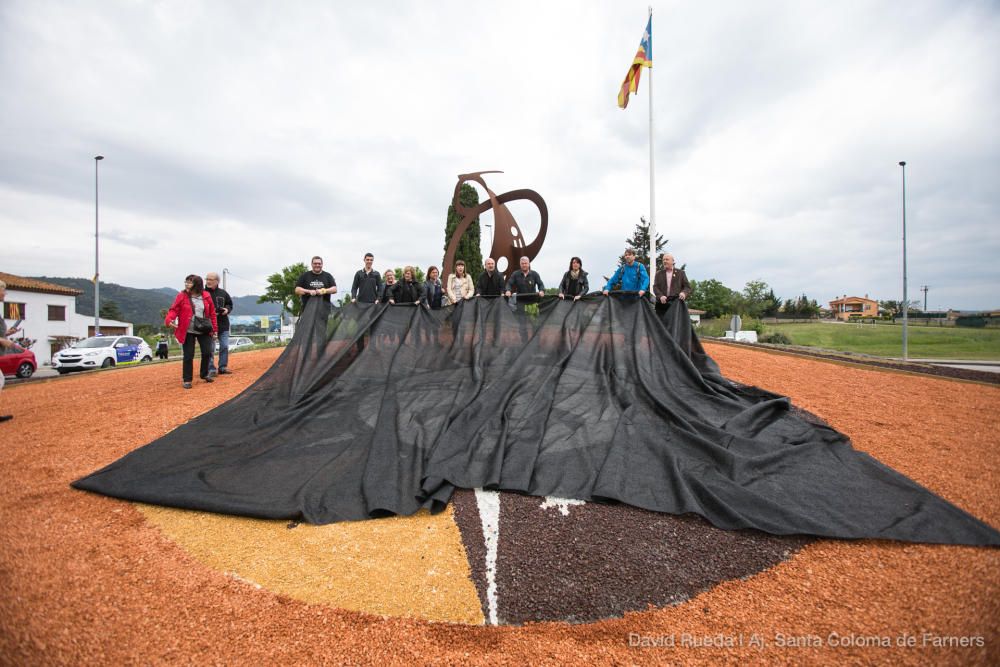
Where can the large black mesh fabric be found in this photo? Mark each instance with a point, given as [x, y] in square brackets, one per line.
[377, 409]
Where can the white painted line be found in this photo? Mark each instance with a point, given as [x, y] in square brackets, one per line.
[489, 513]
[562, 503]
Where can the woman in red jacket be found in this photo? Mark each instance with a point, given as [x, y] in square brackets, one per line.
[190, 309]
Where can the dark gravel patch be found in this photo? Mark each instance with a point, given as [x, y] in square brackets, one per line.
[603, 560]
[463, 503]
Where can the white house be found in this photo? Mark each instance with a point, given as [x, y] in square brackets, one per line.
[49, 317]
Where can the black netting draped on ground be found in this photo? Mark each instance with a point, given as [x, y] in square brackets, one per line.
[375, 410]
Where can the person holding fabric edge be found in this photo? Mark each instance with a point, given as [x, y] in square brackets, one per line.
[433, 290]
[490, 281]
[408, 290]
[367, 286]
[193, 316]
[388, 286]
[459, 284]
[574, 283]
[316, 282]
[223, 306]
[526, 284]
[670, 284]
[632, 275]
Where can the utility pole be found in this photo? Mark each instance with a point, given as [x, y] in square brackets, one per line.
[906, 298]
[97, 252]
[924, 288]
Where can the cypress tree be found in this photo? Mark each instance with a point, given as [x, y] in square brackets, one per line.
[468, 247]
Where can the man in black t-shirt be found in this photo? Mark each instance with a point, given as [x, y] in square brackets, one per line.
[316, 283]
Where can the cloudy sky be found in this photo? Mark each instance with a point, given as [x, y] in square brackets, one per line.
[252, 135]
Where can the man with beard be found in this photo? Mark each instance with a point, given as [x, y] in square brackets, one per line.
[316, 282]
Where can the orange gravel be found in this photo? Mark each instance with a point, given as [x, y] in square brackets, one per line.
[87, 579]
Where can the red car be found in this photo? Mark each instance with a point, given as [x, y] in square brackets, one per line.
[18, 362]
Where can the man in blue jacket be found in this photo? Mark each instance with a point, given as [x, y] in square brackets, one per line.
[632, 275]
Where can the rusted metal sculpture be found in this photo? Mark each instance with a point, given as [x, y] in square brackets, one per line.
[508, 240]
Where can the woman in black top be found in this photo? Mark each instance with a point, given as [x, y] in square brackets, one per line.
[574, 283]
[408, 290]
[433, 289]
[388, 285]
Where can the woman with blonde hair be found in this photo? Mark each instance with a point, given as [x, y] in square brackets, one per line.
[408, 290]
[388, 285]
[459, 284]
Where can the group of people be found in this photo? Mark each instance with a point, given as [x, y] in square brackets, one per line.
[200, 315]
[370, 286]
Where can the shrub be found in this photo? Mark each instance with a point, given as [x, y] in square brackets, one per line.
[775, 338]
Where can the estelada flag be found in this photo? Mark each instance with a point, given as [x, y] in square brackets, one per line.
[643, 58]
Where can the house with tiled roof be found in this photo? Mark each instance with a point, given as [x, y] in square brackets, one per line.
[47, 315]
[848, 307]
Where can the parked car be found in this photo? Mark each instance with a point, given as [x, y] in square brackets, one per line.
[239, 343]
[102, 352]
[18, 362]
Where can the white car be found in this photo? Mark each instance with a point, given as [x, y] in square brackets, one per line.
[239, 343]
[102, 352]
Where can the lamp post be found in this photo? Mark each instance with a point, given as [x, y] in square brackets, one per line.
[97, 242]
[906, 302]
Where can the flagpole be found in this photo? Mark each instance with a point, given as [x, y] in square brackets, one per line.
[652, 173]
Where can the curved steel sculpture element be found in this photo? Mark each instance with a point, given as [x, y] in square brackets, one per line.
[508, 240]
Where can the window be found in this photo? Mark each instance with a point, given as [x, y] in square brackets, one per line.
[13, 311]
[57, 313]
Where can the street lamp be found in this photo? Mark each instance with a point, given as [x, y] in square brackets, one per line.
[97, 241]
[906, 302]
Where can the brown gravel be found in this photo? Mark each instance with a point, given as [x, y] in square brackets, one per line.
[88, 579]
[969, 374]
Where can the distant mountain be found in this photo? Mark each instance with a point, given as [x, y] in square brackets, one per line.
[143, 306]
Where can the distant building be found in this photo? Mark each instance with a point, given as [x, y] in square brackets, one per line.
[847, 307]
[49, 317]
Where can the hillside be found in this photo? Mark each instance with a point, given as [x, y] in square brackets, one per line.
[143, 306]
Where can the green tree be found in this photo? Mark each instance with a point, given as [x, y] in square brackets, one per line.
[803, 306]
[712, 296]
[772, 304]
[756, 297]
[281, 289]
[894, 308]
[640, 243]
[468, 246]
[111, 311]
